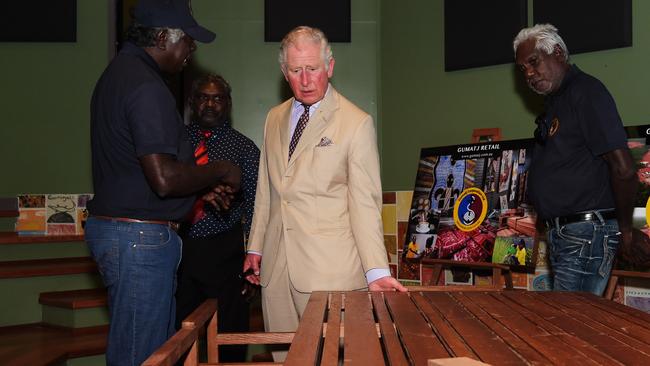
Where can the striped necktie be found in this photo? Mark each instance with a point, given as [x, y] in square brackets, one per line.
[302, 123]
[201, 158]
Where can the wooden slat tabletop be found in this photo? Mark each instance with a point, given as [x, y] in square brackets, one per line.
[497, 328]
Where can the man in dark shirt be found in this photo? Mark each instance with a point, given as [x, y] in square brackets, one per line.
[144, 178]
[213, 244]
[582, 177]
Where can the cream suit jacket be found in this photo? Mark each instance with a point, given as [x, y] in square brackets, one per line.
[324, 205]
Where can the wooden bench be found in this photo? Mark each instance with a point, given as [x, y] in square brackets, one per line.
[204, 320]
[495, 327]
[498, 271]
[616, 275]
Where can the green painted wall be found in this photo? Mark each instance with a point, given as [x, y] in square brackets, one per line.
[424, 106]
[250, 65]
[44, 94]
[396, 57]
[46, 87]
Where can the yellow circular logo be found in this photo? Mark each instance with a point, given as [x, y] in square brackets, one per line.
[470, 209]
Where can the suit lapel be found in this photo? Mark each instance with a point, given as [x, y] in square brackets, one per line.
[317, 123]
[284, 132]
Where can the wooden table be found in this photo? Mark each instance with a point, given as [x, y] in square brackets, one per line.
[498, 328]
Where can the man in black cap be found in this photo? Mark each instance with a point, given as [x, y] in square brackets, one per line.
[145, 179]
[582, 179]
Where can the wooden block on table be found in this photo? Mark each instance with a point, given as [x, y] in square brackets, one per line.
[455, 361]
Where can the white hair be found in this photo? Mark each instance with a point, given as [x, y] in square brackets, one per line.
[546, 38]
[305, 33]
[174, 34]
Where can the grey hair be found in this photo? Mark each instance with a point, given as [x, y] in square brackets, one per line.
[546, 38]
[174, 34]
[143, 36]
[305, 33]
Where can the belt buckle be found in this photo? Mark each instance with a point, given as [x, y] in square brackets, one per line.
[174, 225]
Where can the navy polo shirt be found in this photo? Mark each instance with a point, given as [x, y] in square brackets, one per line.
[580, 124]
[133, 113]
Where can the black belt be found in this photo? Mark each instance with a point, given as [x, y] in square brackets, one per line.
[172, 224]
[583, 216]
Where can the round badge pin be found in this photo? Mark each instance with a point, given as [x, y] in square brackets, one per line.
[470, 209]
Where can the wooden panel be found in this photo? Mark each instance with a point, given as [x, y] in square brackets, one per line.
[628, 313]
[482, 340]
[581, 351]
[9, 213]
[41, 344]
[11, 237]
[389, 335]
[583, 320]
[75, 299]
[513, 340]
[47, 267]
[173, 349]
[332, 338]
[550, 345]
[417, 337]
[201, 315]
[608, 332]
[448, 334]
[305, 347]
[361, 344]
[255, 338]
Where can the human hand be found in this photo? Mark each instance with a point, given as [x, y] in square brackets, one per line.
[387, 283]
[220, 197]
[634, 248]
[249, 291]
[251, 268]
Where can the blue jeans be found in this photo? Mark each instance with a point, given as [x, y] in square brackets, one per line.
[138, 265]
[581, 254]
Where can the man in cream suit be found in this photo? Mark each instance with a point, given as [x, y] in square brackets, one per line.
[317, 222]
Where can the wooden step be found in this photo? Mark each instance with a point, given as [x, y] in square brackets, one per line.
[75, 299]
[47, 267]
[42, 344]
[11, 237]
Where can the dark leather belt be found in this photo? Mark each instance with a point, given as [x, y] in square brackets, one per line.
[584, 216]
[172, 224]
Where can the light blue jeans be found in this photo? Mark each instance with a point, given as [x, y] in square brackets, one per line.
[581, 254]
[138, 265]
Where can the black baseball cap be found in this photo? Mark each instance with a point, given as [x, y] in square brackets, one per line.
[171, 14]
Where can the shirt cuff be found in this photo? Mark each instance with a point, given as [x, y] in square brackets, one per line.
[375, 274]
[253, 252]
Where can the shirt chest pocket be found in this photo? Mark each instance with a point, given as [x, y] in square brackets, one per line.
[329, 165]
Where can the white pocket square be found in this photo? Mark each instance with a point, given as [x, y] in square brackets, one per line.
[325, 142]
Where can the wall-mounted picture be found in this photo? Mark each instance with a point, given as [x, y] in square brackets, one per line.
[470, 205]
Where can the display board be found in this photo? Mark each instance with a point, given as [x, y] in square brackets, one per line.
[639, 144]
[469, 205]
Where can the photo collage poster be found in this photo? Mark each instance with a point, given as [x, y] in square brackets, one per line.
[51, 214]
[469, 205]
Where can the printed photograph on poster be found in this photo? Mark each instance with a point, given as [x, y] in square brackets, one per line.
[506, 169]
[513, 250]
[31, 201]
[61, 208]
[407, 269]
[540, 281]
[637, 294]
[467, 196]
